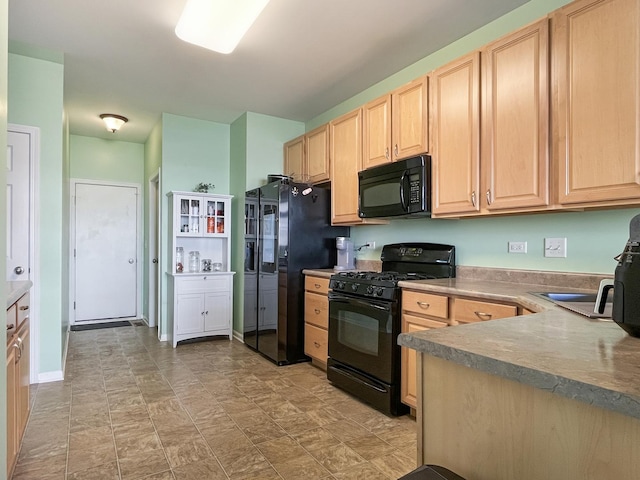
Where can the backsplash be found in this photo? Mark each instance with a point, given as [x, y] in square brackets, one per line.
[583, 281]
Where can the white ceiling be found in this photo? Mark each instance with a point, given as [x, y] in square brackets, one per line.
[300, 58]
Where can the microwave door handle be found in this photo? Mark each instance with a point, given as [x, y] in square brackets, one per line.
[402, 199]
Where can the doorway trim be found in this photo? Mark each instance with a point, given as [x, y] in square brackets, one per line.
[72, 241]
[154, 238]
[34, 243]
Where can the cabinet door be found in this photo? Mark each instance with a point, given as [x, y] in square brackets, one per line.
[217, 311]
[455, 133]
[317, 154]
[346, 162]
[189, 215]
[376, 134]
[12, 423]
[23, 379]
[190, 313]
[215, 217]
[408, 378]
[409, 119]
[515, 120]
[316, 309]
[597, 104]
[294, 159]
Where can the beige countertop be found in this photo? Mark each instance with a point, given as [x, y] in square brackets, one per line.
[16, 289]
[593, 361]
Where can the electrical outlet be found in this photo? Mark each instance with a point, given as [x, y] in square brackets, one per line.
[370, 245]
[555, 247]
[517, 247]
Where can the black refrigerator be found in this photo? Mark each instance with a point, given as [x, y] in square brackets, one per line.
[287, 229]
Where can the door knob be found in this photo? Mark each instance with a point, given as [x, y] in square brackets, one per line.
[19, 270]
[131, 260]
[155, 260]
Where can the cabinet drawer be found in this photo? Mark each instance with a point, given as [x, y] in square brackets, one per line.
[12, 320]
[425, 304]
[23, 308]
[210, 283]
[411, 323]
[315, 342]
[316, 284]
[316, 310]
[467, 311]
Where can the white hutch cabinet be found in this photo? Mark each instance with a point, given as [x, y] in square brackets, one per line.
[200, 294]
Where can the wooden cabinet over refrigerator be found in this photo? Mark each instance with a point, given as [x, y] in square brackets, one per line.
[200, 285]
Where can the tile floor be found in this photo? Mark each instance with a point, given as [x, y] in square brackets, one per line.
[131, 407]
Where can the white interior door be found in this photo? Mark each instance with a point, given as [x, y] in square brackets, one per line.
[106, 271]
[152, 305]
[18, 180]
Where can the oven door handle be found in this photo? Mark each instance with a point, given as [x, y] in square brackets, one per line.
[333, 297]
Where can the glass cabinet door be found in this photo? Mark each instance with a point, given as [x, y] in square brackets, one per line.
[214, 217]
[190, 215]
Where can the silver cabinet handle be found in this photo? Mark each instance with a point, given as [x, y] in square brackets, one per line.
[317, 310]
[483, 315]
[473, 198]
[488, 197]
[155, 260]
[424, 305]
[317, 285]
[24, 307]
[131, 260]
[317, 345]
[18, 270]
[386, 153]
[395, 150]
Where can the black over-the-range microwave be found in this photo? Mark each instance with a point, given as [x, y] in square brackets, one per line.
[401, 188]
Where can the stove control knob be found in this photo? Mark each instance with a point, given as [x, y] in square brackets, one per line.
[370, 289]
[340, 285]
[379, 291]
[355, 286]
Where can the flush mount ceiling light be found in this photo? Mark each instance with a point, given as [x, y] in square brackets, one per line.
[218, 25]
[113, 121]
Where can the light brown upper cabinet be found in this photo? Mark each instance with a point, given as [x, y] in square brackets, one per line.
[396, 124]
[514, 160]
[294, 159]
[317, 154]
[346, 161]
[306, 158]
[455, 136]
[596, 52]
[511, 170]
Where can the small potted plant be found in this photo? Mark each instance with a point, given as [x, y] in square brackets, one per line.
[204, 187]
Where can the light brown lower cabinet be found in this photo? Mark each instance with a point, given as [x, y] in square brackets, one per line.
[18, 354]
[316, 319]
[424, 311]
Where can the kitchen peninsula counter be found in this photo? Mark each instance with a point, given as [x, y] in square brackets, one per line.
[552, 394]
[16, 289]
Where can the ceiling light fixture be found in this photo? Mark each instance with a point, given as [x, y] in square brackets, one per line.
[218, 25]
[113, 121]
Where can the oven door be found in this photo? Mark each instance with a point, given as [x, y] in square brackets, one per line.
[362, 334]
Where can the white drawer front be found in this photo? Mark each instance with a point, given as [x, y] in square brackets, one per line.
[206, 283]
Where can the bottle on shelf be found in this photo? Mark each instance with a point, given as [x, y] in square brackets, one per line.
[179, 259]
[194, 261]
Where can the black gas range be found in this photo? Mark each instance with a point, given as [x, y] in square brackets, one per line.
[365, 321]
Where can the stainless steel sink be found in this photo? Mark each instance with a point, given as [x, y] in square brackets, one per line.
[578, 302]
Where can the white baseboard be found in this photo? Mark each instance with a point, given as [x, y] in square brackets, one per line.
[50, 376]
[238, 336]
[164, 337]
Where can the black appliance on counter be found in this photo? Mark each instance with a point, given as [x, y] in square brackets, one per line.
[365, 320]
[287, 228]
[626, 283]
[397, 189]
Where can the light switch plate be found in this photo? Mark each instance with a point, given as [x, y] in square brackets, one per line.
[555, 247]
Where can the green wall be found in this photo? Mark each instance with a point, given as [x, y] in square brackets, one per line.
[256, 152]
[593, 237]
[3, 207]
[109, 160]
[35, 94]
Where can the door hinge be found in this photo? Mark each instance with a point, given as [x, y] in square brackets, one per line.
[74, 253]
[74, 305]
